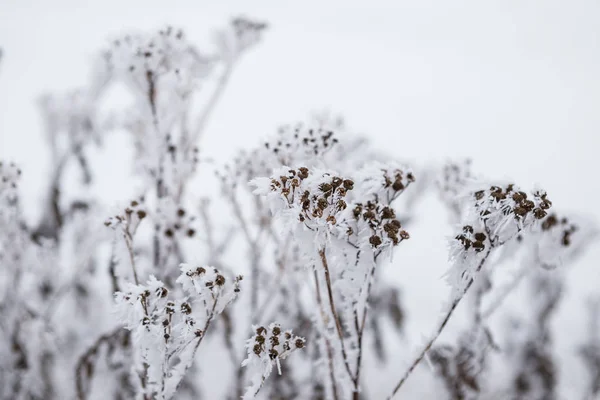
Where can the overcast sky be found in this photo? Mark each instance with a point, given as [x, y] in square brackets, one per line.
[513, 84]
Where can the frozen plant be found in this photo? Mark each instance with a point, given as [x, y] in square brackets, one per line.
[167, 331]
[267, 347]
[145, 299]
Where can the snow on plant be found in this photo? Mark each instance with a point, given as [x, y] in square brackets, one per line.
[590, 351]
[167, 332]
[312, 216]
[343, 242]
[453, 179]
[493, 216]
[267, 347]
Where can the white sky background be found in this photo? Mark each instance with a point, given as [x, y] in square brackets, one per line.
[513, 84]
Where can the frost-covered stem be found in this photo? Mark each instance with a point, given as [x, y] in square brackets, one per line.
[505, 291]
[255, 251]
[336, 317]
[85, 361]
[327, 344]
[111, 270]
[262, 383]
[359, 332]
[206, 326]
[360, 329]
[591, 350]
[440, 328]
[52, 219]
[481, 289]
[198, 130]
[129, 242]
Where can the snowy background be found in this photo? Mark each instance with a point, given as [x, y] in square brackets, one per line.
[512, 84]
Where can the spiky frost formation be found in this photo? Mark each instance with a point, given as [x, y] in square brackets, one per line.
[167, 331]
[266, 348]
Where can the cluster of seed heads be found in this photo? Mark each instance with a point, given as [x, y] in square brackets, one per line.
[299, 141]
[177, 153]
[245, 167]
[471, 239]
[180, 223]
[382, 222]
[289, 146]
[154, 48]
[219, 280]
[552, 222]
[454, 177]
[170, 312]
[9, 174]
[324, 202]
[522, 205]
[273, 342]
[398, 180]
[185, 311]
[132, 215]
[244, 26]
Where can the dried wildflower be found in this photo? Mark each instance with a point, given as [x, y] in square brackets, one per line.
[376, 220]
[265, 349]
[384, 182]
[10, 175]
[174, 221]
[159, 64]
[242, 34]
[130, 218]
[209, 285]
[560, 239]
[316, 201]
[506, 210]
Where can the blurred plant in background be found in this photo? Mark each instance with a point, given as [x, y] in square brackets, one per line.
[98, 303]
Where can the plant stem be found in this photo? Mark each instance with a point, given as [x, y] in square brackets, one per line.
[327, 344]
[129, 243]
[336, 318]
[439, 330]
[198, 130]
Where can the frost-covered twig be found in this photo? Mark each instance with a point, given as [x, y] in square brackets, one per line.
[590, 351]
[267, 347]
[501, 212]
[438, 330]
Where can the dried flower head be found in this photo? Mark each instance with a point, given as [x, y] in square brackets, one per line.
[506, 210]
[267, 347]
[311, 197]
[561, 239]
[209, 284]
[10, 175]
[453, 179]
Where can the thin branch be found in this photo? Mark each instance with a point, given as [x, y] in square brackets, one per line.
[504, 291]
[85, 362]
[360, 328]
[439, 330]
[336, 317]
[206, 326]
[327, 344]
[198, 130]
[129, 242]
